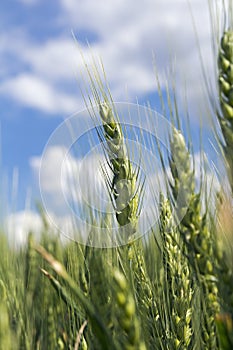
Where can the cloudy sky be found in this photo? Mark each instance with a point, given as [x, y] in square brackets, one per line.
[41, 71]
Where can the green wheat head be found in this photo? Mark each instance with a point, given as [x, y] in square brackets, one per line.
[123, 188]
[225, 117]
[196, 235]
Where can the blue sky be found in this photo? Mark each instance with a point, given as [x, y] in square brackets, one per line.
[41, 69]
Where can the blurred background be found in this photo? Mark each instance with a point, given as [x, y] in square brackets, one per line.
[42, 75]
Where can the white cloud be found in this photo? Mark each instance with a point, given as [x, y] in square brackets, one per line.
[19, 224]
[70, 188]
[56, 59]
[127, 33]
[48, 84]
[66, 180]
[35, 92]
[57, 169]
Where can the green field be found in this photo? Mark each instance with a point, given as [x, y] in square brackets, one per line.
[171, 289]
